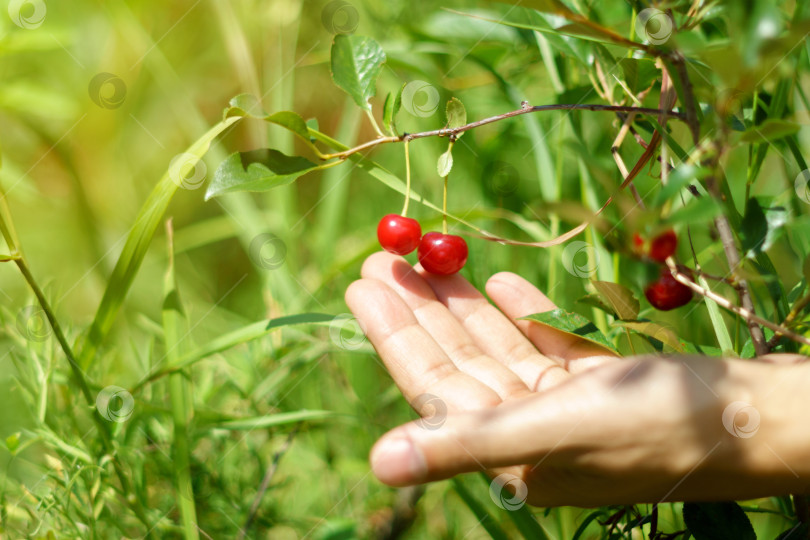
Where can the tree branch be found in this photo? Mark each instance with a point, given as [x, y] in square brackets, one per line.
[524, 109]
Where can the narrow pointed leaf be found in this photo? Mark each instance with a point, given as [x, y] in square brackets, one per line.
[393, 102]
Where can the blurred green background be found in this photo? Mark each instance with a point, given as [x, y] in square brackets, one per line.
[79, 160]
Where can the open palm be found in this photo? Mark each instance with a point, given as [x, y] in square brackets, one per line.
[570, 421]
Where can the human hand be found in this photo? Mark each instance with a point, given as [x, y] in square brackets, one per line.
[577, 425]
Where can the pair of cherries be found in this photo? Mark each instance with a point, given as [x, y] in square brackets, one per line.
[665, 293]
[438, 253]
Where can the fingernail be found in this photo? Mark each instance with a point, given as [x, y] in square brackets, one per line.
[397, 461]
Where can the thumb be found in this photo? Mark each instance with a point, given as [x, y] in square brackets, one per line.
[518, 432]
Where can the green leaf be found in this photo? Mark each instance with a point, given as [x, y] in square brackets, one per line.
[393, 102]
[243, 335]
[654, 330]
[137, 244]
[456, 115]
[598, 302]
[754, 228]
[257, 170]
[291, 121]
[445, 163]
[572, 323]
[769, 131]
[356, 64]
[696, 211]
[244, 105]
[272, 420]
[620, 298]
[717, 521]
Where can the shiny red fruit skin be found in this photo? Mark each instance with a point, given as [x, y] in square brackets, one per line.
[442, 254]
[666, 293]
[663, 245]
[399, 234]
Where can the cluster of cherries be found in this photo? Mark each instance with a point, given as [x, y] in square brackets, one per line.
[665, 293]
[438, 253]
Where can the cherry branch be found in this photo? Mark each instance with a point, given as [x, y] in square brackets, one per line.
[525, 108]
[748, 315]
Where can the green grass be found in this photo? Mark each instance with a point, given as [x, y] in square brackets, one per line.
[250, 404]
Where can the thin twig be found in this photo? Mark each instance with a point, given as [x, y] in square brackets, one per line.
[268, 477]
[452, 132]
[746, 314]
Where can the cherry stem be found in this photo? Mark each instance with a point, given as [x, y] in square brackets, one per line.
[407, 179]
[444, 207]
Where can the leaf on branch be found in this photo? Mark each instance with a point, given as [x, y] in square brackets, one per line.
[257, 170]
[456, 115]
[292, 121]
[572, 323]
[445, 163]
[655, 331]
[393, 102]
[620, 298]
[356, 64]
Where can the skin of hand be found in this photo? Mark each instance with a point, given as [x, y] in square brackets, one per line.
[573, 423]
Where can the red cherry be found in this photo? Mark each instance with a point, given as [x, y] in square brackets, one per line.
[663, 245]
[442, 254]
[666, 293]
[399, 234]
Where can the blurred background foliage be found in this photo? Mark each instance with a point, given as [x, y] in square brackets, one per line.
[76, 168]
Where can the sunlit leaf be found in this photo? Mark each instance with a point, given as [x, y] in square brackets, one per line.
[356, 64]
[445, 163]
[393, 102]
[456, 115]
[257, 170]
[572, 323]
[654, 330]
[619, 297]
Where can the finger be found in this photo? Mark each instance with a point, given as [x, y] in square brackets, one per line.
[517, 298]
[443, 327]
[518, 432]
[493, 332]
[416, 362]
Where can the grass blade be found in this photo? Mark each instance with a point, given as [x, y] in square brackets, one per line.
[138, 240]
[180, 392]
